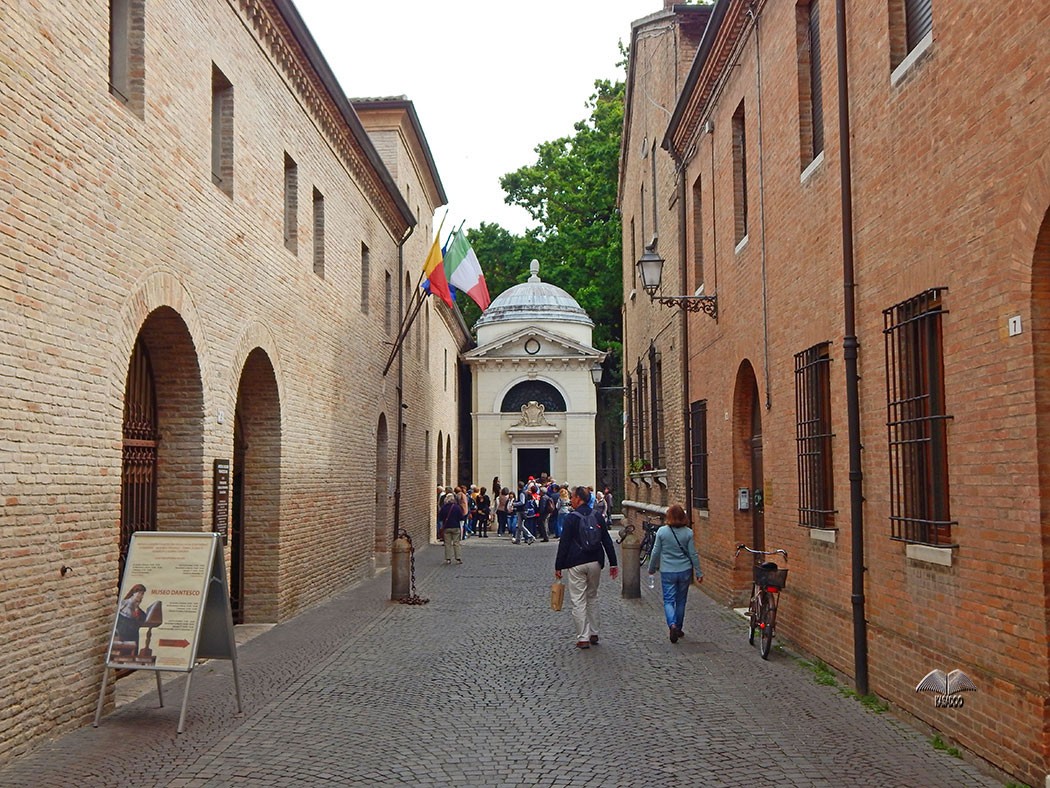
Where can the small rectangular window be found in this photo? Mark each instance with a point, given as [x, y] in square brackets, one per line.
[388, 303]
[366, 275]
[910, 22]
[221, 131]
[127, 53]
[318, 233]
[698, 453]
[291, 205]
[698, 236]
[740, 173]
[810, 100]
[813, 437]
[917, 420]
[656, 410]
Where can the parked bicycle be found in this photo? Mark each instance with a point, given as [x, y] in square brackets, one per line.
[768, 579]
[648, 541]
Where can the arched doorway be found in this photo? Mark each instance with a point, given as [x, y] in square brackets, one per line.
[383, 495]
[256, 493]
[162, 465]
[138, 476]
[749, 525]
[441, 459]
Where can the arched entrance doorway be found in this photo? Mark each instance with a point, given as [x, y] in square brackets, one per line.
[749, 525]
[162, 463]
[383, 496]
[256, 493]
[138, 476]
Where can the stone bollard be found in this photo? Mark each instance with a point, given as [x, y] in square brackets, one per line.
[630, 571]
[400, 569]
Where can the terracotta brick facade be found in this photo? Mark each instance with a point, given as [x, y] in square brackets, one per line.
[115, 235]
[950, 190]
[655, 452]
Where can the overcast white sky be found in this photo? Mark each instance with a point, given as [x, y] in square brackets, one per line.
[489, 80]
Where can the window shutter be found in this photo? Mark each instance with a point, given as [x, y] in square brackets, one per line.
[919, 14]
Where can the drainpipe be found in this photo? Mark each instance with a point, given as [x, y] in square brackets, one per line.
[850, 351]
[687, 504]
[401, 406]
[762, 213]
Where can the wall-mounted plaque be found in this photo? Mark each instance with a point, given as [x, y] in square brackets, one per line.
[220, 517]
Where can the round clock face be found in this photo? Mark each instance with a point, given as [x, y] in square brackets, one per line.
[532, 347]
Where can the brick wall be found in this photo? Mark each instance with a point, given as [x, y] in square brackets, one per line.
[950, 189]
[111, 229]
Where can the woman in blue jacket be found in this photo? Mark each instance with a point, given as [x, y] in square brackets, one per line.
[674, 556]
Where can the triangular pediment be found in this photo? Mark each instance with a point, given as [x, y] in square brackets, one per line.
[532, 343]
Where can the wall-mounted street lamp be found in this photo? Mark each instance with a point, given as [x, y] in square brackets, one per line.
[651, 269]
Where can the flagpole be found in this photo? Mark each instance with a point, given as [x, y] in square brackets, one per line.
[409, 318]
[407, 323]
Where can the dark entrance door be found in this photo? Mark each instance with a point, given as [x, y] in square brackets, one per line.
[138, 476]
[533, 462]
[237, 524]
[757, 503]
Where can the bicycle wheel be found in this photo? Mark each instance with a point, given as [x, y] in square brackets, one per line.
[752, 618]
[766, 622]
[646, 549]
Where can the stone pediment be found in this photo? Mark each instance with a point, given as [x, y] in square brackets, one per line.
[533, 344]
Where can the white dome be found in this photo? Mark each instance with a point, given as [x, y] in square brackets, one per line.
[534, 300]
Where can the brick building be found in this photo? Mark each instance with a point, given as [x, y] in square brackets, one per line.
[654, 341]
[930, 254]
[203, 255]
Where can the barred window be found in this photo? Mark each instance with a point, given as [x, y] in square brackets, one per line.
[291, 204]
[318, 233]
[917, 420]
[813, 437]
[656, 399]
[698, 452]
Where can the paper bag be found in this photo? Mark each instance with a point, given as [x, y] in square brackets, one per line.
[557, 595]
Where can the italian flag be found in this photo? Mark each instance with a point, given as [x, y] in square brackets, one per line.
[463, 271]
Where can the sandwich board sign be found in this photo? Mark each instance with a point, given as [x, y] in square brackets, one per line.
[173, 609]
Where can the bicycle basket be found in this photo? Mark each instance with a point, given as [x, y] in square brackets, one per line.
[770, 575]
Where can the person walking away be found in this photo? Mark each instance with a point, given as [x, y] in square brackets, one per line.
[526, 517]
[548, 508]
[564, 507]
[533, 515]
[502, 503]
[482, 513]
[675, 556]
[449, 528]
[584, 544]
[601, 506]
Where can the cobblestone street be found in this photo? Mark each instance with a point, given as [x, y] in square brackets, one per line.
[483, 687]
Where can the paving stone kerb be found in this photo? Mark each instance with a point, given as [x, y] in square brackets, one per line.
[484, 686]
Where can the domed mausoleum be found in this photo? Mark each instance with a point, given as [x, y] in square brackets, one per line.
[533, 398]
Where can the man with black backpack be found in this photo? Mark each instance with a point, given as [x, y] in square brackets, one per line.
[584, 543]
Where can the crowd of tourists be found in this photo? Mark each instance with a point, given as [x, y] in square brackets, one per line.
[536, 509]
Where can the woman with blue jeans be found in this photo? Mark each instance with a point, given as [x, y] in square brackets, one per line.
[674, 556]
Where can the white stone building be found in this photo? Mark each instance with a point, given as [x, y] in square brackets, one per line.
[534, 399]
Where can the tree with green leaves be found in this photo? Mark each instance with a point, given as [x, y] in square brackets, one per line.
[570, 191]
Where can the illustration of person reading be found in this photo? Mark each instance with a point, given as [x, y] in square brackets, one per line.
[130, 619]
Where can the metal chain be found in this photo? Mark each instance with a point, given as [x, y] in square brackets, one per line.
[412, 598]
